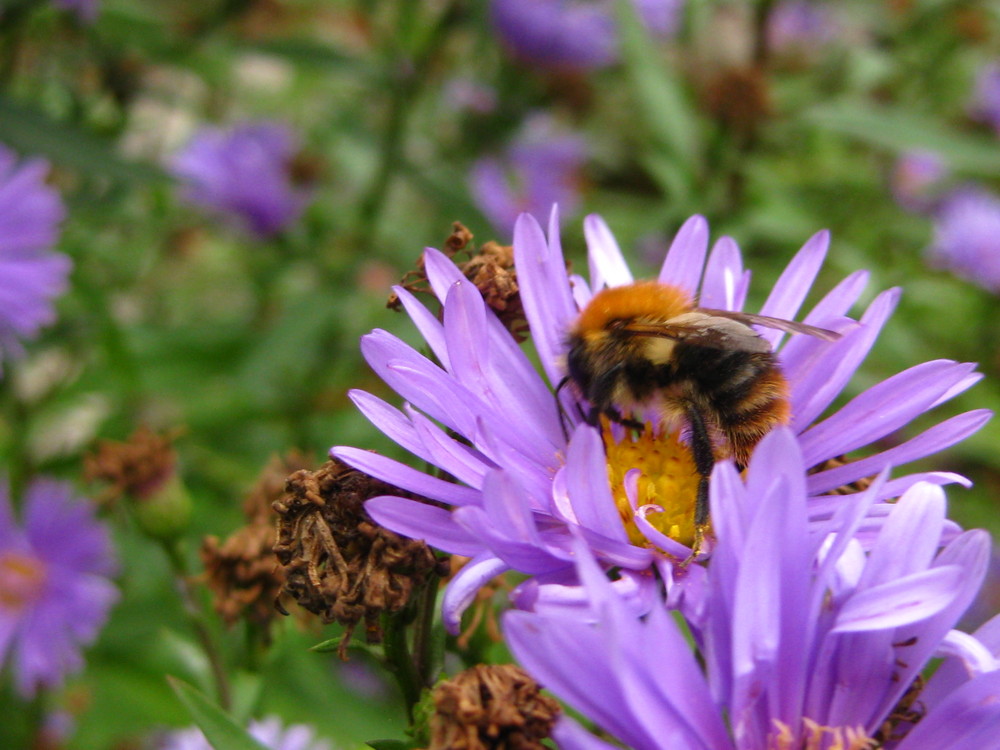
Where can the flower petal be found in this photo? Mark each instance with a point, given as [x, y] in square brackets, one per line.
[686, 257]
[416, 520]
[607, 265]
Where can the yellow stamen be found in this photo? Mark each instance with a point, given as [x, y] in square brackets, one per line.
[21, 580]
[667, 479]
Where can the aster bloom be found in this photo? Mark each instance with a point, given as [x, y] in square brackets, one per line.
[572, 34]
[916, 179]
[541, 167]
[807, 640]
[799, 25]
[985, 104]
[55, 591]
[967, 236]
[269, 732]
[31, 275]
[245, 173]
[85, 10]
[523, 490]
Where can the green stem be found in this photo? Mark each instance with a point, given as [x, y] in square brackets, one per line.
[423, 633]
[399, 661]
[409, 73]
[196, 617]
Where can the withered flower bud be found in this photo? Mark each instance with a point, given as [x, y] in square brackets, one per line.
[490, 268]
[739, 98]
[339, 564]
[143, 469]
[243, 573]
[270, 484]
[491, 706]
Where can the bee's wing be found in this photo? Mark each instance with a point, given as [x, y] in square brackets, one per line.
[700, 328]
[788, 326]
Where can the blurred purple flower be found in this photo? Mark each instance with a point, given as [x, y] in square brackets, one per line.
[807, 640]
[269, 731]
[917, 178]
[523, 491]
[31, 276]
[245, 173]
[85, 10]
[55, 591]
[800, 24]
[967, 237]
[985, 105]
[573, 34]
[542, 167]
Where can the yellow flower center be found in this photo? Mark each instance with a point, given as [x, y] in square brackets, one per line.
[815, 737]
[21, 580]
[656, 469]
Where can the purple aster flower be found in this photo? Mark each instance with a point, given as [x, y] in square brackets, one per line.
[245, 173]
[967, 237]
[54, 587]
[800, 25]
[31, 276]
[269, 731]
[572, 34]
[807, 639]
[85, 10]
[487, 418]
[916, 180]
[540, 168]
[985, 105]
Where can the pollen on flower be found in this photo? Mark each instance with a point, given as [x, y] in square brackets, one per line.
[813, 736]
[22, 578]
[667, 479]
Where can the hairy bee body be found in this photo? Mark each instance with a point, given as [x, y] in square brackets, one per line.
[647, 346]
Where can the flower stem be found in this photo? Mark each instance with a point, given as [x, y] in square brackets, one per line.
[196, 617]
[399, 661]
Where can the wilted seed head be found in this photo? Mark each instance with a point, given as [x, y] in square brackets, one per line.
[270, 484]
[491, 706]
[143, 470]
[137, 467]
[338, 563]
[490, 268]
[243, 572]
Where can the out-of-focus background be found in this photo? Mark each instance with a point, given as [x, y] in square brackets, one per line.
[238, 183]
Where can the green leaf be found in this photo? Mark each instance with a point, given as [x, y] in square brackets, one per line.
[221, 731]
[390, 745]
[898, 130]
[658, 97]
[325, 647]
[32, 132]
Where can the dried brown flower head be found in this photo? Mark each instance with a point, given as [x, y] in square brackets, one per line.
[491, 706]
[490, 268]
[137, 467]
[270, 484]
[339, 564]
[739, 98]
[243, 573]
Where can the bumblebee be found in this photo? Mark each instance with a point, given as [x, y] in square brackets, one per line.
[647, 345]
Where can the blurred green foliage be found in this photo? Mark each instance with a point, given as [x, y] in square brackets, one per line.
[174, 319]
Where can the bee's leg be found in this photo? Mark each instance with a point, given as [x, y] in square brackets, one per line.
[704, 461]
[616, 416]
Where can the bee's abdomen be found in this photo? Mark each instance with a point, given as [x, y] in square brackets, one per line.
[744, 392]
